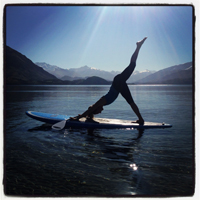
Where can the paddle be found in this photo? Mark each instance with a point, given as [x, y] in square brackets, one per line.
[59, 126]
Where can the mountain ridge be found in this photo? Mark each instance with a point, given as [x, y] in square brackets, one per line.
[21, 70]
[18, 69]
[85, 72]
[177, 74]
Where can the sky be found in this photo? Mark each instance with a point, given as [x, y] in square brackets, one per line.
[102, 37]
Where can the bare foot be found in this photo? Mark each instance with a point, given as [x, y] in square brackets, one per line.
[139, 43]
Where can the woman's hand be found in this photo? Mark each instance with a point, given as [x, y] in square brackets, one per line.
[75, 118]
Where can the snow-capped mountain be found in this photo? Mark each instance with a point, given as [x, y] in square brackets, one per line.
[85, 71]
[21, 70]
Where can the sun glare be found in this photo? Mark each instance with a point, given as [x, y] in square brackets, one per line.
[93, 28]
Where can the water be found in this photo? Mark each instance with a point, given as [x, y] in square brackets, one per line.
[40, 161]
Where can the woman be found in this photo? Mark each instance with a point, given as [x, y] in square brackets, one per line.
[119, 85]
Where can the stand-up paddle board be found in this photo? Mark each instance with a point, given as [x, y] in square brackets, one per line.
[101, 123]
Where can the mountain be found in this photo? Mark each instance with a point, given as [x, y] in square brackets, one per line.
[76, 73]
[94, 80]
[85, 71]
[178, 74]
[56, 71]
[18, 69]
[137, 75]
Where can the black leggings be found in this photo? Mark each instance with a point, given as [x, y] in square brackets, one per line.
[119, 82]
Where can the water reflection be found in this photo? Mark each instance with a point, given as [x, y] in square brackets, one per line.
[140, 132]
[121, 154]
[133, 166]
[43, 127]
[118, 154]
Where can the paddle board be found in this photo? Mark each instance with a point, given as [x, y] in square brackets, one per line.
[101, 123]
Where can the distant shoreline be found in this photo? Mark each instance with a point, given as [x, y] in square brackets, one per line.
[97, 84]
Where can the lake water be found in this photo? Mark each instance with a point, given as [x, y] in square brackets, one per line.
[40, 161]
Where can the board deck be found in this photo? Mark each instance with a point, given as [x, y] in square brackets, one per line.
[97, 123]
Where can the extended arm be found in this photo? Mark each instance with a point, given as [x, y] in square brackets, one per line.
[98, 105]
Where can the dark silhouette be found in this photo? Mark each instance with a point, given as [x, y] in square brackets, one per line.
[119, 85]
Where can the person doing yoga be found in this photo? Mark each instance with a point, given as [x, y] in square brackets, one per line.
[119, 85]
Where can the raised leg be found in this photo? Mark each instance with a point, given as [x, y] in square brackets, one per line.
[135, 54]
[129, 70]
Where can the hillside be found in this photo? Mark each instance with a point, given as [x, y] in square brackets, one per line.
[178, 74]
[18, 69]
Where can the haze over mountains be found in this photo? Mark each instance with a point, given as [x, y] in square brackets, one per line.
[85, 72]
[18, 69]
